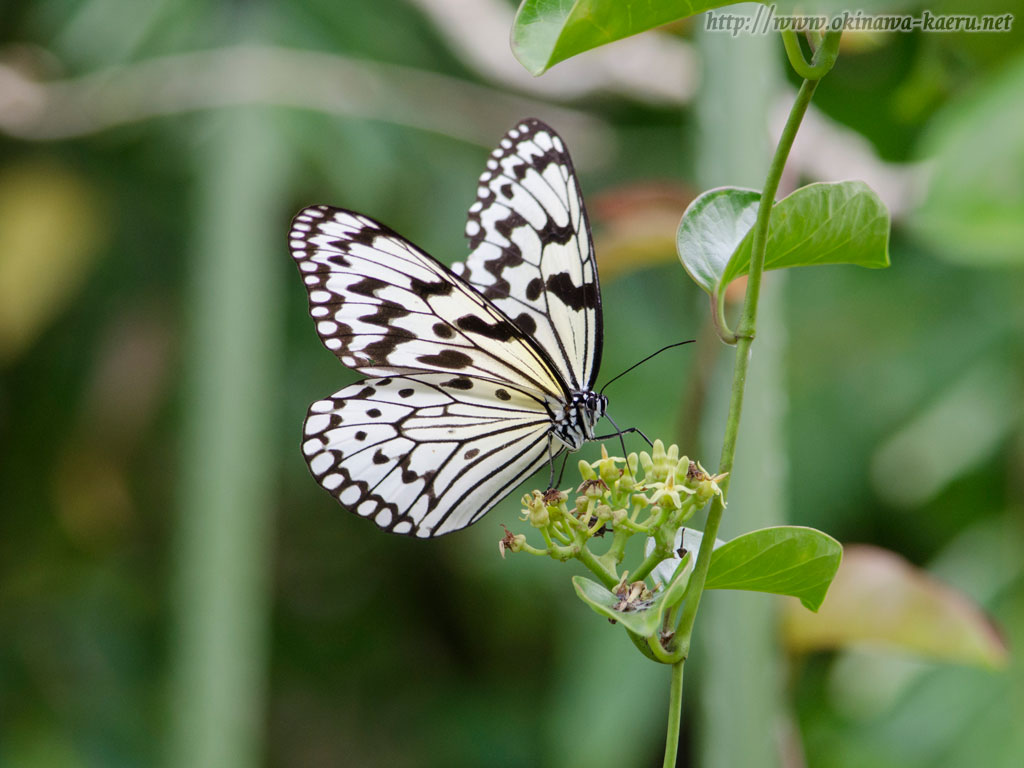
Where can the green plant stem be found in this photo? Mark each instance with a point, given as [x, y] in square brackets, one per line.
[658, 652]
[616, 552]
[745, 336]
[718, 317]
[675, 711]
[822, 60]
[596, 567]
[745, 329]
[658, 553]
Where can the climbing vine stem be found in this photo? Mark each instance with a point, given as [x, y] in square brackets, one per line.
[824, 58]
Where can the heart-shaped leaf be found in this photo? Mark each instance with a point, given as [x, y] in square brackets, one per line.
[842, 222]
[712, 228]
[827, 223]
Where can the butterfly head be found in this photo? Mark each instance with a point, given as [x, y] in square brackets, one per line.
[574, 423]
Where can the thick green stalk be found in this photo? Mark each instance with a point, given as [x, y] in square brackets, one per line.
[675, 711]
[223, 539]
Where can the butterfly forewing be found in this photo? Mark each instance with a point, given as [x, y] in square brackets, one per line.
[531, 250]
[385, 307]
[425, 454]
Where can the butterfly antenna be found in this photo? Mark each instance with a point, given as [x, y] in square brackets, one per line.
[653, 354]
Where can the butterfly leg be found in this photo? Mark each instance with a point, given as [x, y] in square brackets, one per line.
[551, 462]
[551, 459]
[640, 432]
[562, 471]
[620, 432]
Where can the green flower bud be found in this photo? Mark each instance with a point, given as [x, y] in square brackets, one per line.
[706, 491]
[647, 463]
[683, 470]
[632, 463]
[663, 463]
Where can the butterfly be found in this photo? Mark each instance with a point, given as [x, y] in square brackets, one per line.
[480, 374]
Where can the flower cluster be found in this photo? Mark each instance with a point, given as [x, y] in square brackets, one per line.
[652, 494]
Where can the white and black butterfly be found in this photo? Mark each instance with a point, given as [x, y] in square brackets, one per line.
[485, 372]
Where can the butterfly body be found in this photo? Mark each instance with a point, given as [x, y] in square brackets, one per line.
[480, 374]
[573, 424]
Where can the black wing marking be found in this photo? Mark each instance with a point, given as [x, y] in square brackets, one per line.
[532, 253]
[385, 307]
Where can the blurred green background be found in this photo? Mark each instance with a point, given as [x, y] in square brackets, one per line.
[175, 590]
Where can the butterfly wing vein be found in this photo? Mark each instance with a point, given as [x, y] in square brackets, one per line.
[420, 457]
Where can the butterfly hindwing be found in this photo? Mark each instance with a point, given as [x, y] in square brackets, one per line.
[531, 249]
[384, 307]
[425, 454]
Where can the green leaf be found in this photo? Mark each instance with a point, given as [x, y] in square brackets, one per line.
[546, 32]
[712, 228]
[841, 222]
[826, 223]
[787, 560]
[678, 582]
[645, 621]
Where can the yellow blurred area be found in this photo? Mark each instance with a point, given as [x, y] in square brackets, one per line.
[51, 231]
